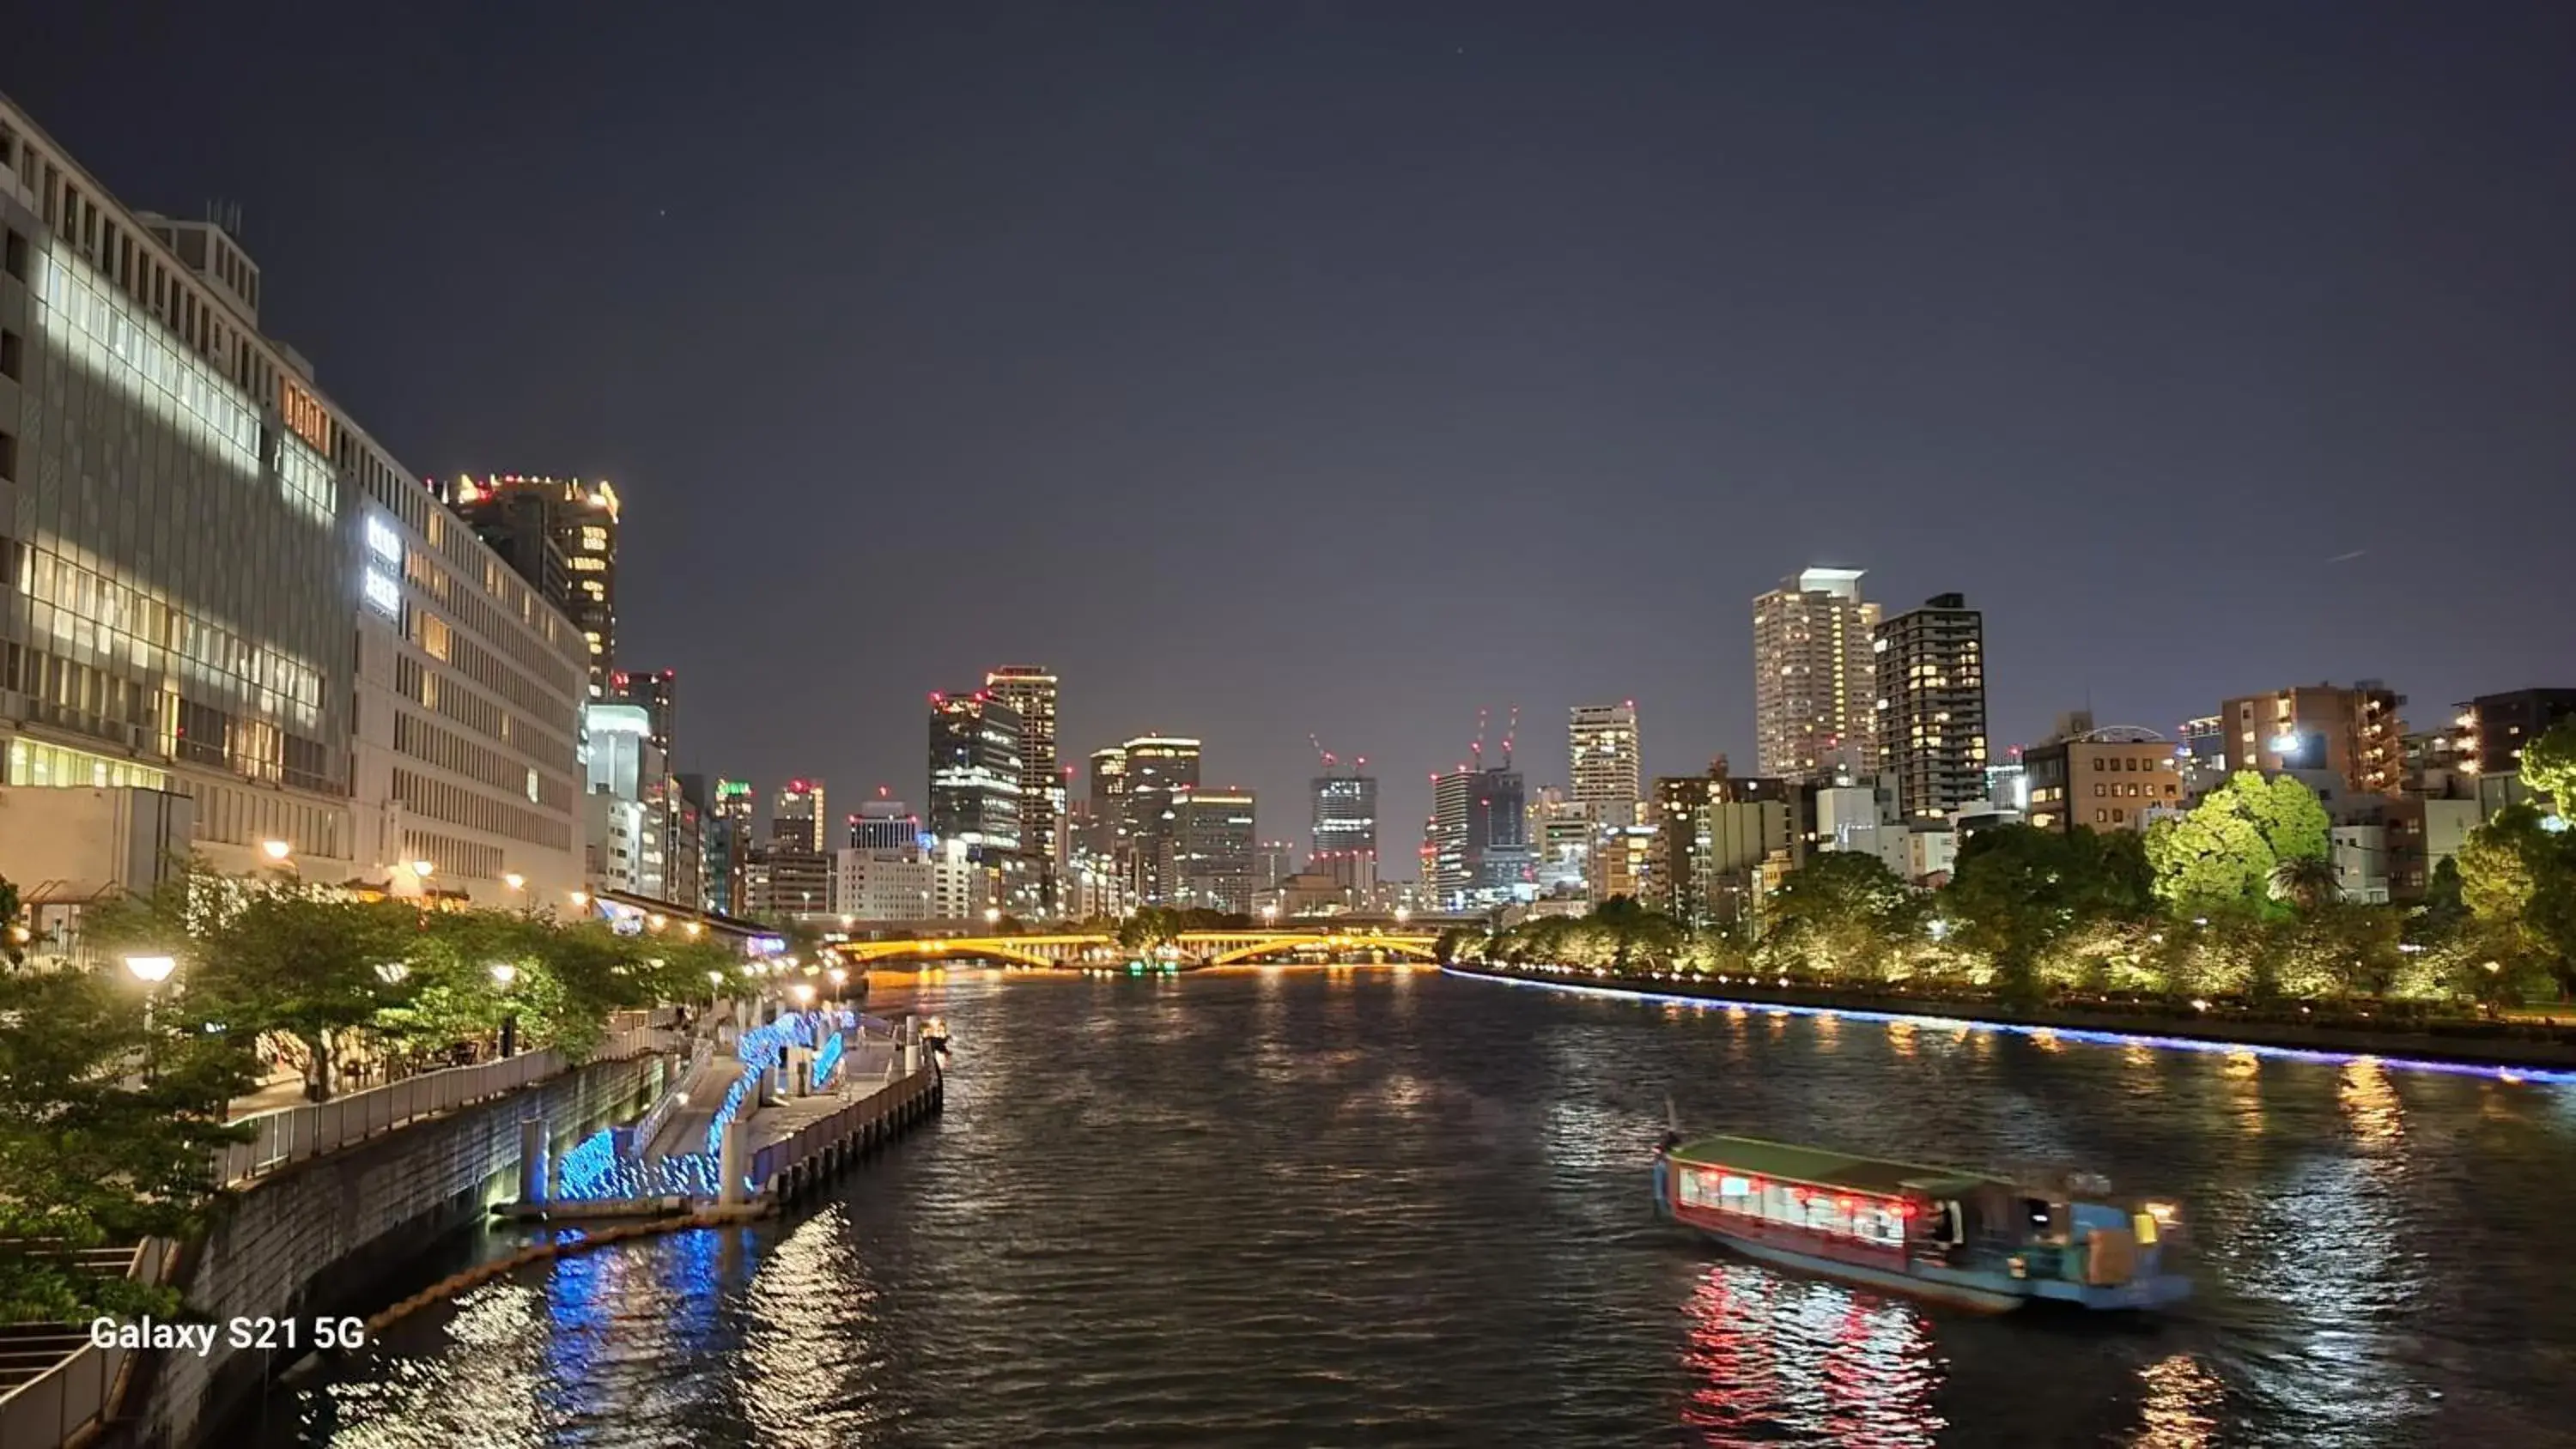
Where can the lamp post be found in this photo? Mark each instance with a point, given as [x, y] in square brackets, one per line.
[840, 979]
[503, 973]
[151, 971]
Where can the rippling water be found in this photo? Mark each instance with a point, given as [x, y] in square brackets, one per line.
[1397, 1208]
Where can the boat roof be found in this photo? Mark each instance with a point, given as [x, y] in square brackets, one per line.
[1824, 1167]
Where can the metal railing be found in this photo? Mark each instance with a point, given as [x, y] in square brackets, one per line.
[74, 1394]
[293, 1134]
[813, 1137]
[650, 1125]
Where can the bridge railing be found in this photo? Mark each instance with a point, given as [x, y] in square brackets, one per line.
[69, 1398]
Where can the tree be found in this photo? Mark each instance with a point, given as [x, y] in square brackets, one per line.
[2017, 892]
[12, 948]
[2306, 881]
[2518, 880]
[2221, 856]
[1839, 914]
[2549, 766]
[91, 1152]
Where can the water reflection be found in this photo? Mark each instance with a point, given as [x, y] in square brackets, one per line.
[1774, 1356]
[2178, 1409]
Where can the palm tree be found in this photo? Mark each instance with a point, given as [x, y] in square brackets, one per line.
[2306, 881]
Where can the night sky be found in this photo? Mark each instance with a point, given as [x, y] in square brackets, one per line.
[1275, 368]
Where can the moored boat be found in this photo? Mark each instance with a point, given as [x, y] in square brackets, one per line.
[1965, 1238]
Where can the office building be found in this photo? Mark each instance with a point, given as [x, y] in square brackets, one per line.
[1031, 693]
[559, 534]
[884, 824]
[796, 817]
[227, 595]
[1931, 706]
[1213, 850]
[1273, 863]
[1157, 768]
[731, 836]
[2102, 779]
[1560, 836]
[1480, 839]
[2200, 753]
[1602, 745]
[975, 773]
[1815, 677]
[1343, 827]
[656, 692]
[1713, 834]
[785, 882]
[626, 842]
[885, 885]
[1107, 800]
[2353, 734]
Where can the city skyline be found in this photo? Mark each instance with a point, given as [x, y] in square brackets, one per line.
[2075, 237]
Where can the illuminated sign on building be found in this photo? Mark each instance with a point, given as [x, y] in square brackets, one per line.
[305, 414]
[383, 594]
[383, 542]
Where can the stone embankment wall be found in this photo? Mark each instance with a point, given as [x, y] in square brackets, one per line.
[318, 1237]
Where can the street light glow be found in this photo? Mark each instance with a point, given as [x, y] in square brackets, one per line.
[423, 868]
[515, 881]
[803, 993]
[154, 969]
[504, 973]
[276, 849]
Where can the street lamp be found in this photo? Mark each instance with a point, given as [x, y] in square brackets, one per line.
[992, 915]
[276, 850]
[803, 993]
[423, 869]
[580, 899]
[151, 971]
[1403, 914]
[514, 880]
[504, 973]
[391, 972]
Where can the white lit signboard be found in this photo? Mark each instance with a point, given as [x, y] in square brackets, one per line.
[383, 542]
[383, 594]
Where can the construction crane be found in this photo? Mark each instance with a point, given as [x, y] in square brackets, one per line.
[1509, 731]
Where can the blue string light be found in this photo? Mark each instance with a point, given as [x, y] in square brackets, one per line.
[2061, 1033]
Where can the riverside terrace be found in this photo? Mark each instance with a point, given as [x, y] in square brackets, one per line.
[1188, 949]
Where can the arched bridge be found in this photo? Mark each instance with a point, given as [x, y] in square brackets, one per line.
[1196, 948]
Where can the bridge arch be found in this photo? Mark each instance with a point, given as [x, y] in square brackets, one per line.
[1275, 942]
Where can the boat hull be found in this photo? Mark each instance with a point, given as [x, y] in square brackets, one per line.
[1959, 1291]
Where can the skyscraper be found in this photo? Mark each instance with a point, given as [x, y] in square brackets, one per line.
[1814, 680]
[657, 692]
[1345, 829]
[1602, 740]
[1158, 767]
[559, 534]
[796, 817]
[975, 799]
[1479, 838]
[1108, 794]
[1031, 692]
[1931, 706]
[729, 839]
[1213, 850]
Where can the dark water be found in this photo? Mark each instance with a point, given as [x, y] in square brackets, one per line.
[1382, 1208]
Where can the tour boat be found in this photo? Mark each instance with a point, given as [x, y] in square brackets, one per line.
[1964, 1238]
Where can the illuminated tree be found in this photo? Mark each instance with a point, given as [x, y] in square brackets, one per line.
[2017, 891]
[2222, 855]
[2518, 880]
[2549, 766]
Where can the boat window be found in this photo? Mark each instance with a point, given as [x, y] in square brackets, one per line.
[1877, 1221]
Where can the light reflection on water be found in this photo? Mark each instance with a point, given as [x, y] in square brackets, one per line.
[1303, 1208]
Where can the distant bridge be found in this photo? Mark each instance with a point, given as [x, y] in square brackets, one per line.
[1196, 948]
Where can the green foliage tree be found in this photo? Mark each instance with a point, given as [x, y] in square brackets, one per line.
[2549, 766]
[1840, 914]
[93, 1150]
[2017, 892]
[2518, 880]
[2221, 856]
[12, 948]
[2306, 882]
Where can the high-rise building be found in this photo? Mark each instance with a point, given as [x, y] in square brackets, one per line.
[1213, 850]
[796, 817]
[786, 883]
[1273, 863]
[731, 836]
[1480, 838]
[1814, 677]
[1108, 797]
[1344, 826]
[559, 534]
[656, 691]
[1157, 768]
[2352, 733]
[1931, 705]
[975, 772]
[1560, 837]
[627, 843]
[1031, 692]
[1602, 742]
[240, 625]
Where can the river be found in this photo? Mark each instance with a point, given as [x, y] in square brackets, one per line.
[1382, 1207]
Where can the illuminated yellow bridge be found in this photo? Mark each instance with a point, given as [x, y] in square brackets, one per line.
[1192, 949]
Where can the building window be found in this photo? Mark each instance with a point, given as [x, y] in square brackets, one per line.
[12, 351]
[8, 457]
[15, 258]
[2100, 816]
[2119, 817]
[2098, 765]
[2100, 789]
